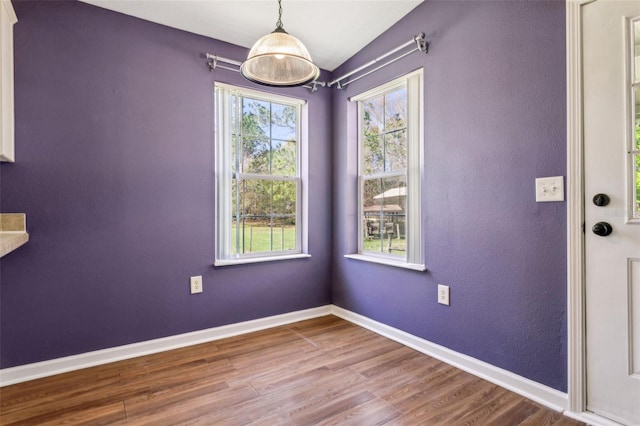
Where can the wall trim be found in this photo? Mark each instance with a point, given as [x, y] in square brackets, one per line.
[535, 391]
[23, 373]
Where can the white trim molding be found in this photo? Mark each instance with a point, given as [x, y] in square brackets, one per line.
[23, 373]
[535, 391]
[575, 212]
[227, 127]
[387, 261]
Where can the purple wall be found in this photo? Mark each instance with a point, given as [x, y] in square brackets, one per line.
[114, 148]
[114, 169]
[494, 121]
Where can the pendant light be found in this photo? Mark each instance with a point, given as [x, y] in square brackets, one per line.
[279, 59]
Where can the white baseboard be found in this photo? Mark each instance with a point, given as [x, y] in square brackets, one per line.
[23, 373]
[542, 394]
[535, 391]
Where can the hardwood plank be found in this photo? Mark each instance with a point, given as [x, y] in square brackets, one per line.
[423, 380]
[86, 414]
[331, 408]
[357, 352]
[215, 407]
[306, 396]
[516, 414]
[323, 371]
[546, 418]
[70, 398]
[436, 395]
[481, 410]
[36, 391]
[374, 412]
[163, 397]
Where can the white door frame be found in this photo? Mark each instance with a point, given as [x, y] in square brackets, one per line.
[576, 314]
[576, 382]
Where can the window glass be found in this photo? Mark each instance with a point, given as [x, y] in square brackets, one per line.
[384, 215]
[384, 148]
[635, 101]
[636, 49]
[384, 121]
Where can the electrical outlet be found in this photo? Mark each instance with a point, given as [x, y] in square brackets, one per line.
[196, 284]
[443, 294]
[549, 189]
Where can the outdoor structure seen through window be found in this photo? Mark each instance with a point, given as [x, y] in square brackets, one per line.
[390, 172]
[258, 179]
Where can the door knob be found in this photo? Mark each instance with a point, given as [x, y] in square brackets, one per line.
[601, 200]
[602, 228]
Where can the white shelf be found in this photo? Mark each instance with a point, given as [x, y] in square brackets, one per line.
[9, 241]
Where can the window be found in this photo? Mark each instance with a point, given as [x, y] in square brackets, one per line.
[634, 149]
[259, 196]
[390, 173]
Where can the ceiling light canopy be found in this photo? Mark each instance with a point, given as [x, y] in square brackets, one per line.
[279, 59]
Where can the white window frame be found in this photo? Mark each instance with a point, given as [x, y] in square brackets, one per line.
[414, 258]
[224, 174]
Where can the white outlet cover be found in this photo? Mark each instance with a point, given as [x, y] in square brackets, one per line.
[196, 284]
[549, 189]
[443, 294]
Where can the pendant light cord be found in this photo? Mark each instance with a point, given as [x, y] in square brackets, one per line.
[279, 23]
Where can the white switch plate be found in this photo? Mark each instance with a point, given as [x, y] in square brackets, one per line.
[196, 284]
[443, 294]
[549, 189]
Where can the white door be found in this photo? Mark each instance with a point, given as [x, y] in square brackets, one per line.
[611, 67]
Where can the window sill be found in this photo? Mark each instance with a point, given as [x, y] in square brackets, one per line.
[388, 262]
[245, 260]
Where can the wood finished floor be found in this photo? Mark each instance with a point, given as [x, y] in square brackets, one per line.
[322, 371]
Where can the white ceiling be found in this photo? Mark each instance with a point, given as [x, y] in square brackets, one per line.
[332, 30]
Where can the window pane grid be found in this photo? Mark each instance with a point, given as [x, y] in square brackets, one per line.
[268, 132]
[269, 157]
[384, 125]
[261, 175]
[383, 170]
[264, 219]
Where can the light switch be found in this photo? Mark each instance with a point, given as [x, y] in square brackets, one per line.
[550, 189]
[443, 294]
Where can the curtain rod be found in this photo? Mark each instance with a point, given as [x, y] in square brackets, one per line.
[214, 62]
[418, 40]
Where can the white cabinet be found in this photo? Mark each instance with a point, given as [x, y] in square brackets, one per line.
[7, 19]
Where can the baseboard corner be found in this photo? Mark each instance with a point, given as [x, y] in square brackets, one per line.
[542, 394]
